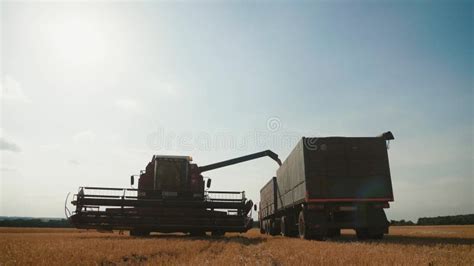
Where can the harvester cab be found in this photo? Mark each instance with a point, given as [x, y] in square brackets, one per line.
[170, 177]
[171, 197]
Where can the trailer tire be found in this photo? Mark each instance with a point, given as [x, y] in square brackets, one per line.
[376, 236]
[334, 232]
[273, 229]
[137, 232]
[263, 228]
[284, 227]
[217, 233]
[197, 233]
[362, 233]
[303, 231]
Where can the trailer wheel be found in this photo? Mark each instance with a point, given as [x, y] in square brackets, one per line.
[217, 233]
[376, 236]
[362, 233]
[197, 233]
[137, 232]
[334, 232]
[273, 229]
[303, 231]
[283, 226]
[262, 227]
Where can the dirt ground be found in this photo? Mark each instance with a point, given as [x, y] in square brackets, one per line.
[410, 245]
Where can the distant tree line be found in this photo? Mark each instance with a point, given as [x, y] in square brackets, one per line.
[447, 220]
[63, 223]
[401, 222]
[440, 220]
[27, 222]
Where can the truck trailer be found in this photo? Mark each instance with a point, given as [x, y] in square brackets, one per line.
[328, 184]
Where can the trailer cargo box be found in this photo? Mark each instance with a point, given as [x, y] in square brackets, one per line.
[335, 169]
[268, 204]
[333, 182]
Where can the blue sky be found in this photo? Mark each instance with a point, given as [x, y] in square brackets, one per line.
[88, 89]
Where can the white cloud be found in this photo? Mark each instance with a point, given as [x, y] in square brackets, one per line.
[6, 145]
[164, 87]
[7, 169]
[11, 90]
[74, 162]
[49, 147]
[169, 88]
[84, 136]
[128, 105]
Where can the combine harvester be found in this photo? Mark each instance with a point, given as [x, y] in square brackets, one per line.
[171, 197]
[329, 184]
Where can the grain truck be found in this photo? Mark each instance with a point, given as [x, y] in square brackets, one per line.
[328, 184]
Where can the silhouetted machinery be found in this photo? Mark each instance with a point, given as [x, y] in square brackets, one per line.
[328, 184]
[171, 197]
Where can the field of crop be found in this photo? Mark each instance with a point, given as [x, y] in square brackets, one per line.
[422, 245]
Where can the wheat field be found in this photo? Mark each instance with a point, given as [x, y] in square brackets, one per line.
[414, 245]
